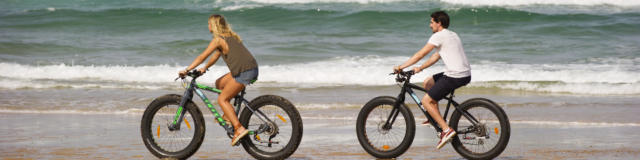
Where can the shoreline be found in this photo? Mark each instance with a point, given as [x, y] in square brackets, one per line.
[76, 136]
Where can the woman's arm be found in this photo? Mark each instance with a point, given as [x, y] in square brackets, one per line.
[212, 61]
[212, 46]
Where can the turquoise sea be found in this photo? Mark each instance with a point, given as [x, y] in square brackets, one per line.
[572, 67]
[552, 48]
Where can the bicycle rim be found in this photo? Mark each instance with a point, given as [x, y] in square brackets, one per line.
[380, 138]
[486, 134]
[172, 141]
[279, 133]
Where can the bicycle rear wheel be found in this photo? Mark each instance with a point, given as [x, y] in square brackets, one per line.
[485, 140]
[385, 141]
[178, 143]
[276, 126]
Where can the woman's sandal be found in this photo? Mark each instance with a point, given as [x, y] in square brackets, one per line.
[237, 138]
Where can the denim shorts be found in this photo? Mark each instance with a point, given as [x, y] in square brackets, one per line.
[247, 77]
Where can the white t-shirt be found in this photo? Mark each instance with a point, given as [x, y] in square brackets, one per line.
[449, 45]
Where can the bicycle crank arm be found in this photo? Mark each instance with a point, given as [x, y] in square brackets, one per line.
[475, 138]
[469, 129]
[269, 142]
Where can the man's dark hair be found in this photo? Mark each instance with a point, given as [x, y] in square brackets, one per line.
[441, 17]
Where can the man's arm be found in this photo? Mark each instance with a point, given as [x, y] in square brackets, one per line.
[432, 60]
[418, 55]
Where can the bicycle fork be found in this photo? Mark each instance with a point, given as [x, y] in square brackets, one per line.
[177, 120]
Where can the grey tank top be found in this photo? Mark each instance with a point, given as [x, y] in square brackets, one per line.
[238, 59]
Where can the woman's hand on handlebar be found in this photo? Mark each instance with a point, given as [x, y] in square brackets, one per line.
[182, 73]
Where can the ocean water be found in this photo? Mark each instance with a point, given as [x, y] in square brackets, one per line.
[565, 72]
[523, 47]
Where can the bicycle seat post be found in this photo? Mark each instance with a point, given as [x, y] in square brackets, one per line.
[452, 94]
[450, 99]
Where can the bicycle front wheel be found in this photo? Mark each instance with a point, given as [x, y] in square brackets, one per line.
[381, 140]
[164, 142]
[276, 128]
[486, 139]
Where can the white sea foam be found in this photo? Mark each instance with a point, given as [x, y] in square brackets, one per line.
[471, 2]
[589, 78]
[323, 1]
[580, 88]
[544, 2]
[239, 7]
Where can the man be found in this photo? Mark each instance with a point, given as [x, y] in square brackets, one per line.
[457, 71]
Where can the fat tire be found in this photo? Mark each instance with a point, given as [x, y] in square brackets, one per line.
[296, 133]
[147, 137]
[363, 139]
[504, 124]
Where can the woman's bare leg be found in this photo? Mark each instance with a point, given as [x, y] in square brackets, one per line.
[231, 89]
[220, 83]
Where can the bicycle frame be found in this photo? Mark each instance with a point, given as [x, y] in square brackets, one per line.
[407, 88]
[197, 88]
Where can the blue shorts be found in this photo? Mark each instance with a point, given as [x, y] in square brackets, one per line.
[247, 77]
[445, 85]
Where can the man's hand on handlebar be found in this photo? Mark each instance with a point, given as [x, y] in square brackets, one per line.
[417, 69]
[397, 69]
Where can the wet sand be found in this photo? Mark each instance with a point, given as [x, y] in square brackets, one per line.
[113, 136]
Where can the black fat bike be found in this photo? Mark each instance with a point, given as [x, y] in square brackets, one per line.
[386, 127]
[173, 126]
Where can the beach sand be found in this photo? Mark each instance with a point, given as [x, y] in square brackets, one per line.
[117, 136]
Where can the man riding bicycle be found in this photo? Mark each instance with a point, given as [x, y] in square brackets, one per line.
[457, 71]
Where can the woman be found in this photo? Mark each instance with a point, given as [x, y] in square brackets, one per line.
[243, 68]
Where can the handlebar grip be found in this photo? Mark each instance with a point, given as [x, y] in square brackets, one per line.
[194, 72]
[410, 72]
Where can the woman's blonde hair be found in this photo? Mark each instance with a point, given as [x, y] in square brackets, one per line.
[220, 27]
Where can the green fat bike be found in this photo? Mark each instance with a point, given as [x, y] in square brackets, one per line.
[173, 127]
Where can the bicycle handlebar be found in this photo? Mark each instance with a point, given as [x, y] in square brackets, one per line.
[404, 73]
[403, 76]
[193, 74]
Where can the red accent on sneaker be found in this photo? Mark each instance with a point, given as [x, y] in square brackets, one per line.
[445, 137]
